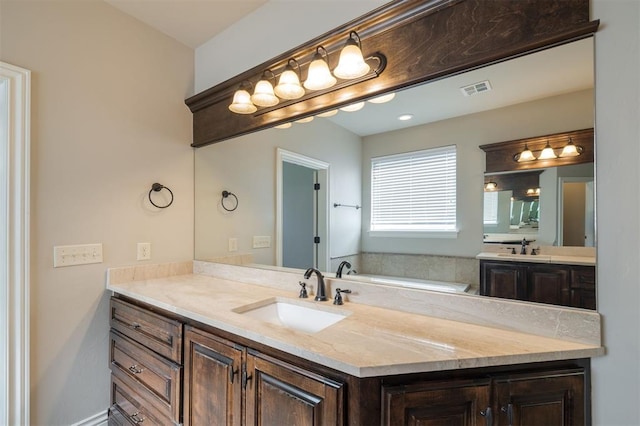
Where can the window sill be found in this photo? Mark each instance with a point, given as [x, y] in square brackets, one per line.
[414, 234]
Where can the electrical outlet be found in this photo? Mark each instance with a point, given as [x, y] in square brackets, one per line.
[81, 254]
[144, 251]
[261, 241]
[233, 244]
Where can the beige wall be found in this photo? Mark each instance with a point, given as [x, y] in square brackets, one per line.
[108, 120]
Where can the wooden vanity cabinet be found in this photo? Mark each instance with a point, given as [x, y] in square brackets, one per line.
[145, 361]
[535, 398]
[566, 285]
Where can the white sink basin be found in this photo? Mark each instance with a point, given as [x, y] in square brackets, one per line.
[300, 315]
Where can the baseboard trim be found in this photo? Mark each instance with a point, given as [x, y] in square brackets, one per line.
[100, 419]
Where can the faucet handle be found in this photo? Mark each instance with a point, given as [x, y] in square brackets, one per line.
[338, 299]
[303, 291]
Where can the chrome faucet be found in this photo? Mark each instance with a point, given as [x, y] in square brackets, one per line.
[342, 265]
[321, 293]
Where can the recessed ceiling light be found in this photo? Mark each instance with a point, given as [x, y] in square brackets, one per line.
[353, 107]
[405, 117]
[382, 99]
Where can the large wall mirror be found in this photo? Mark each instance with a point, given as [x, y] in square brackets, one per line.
[540, 93]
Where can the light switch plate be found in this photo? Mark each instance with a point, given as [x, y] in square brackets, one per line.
[80, 254]
[261, 241]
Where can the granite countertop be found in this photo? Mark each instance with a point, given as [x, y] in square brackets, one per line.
[369, 341]
[539, 258]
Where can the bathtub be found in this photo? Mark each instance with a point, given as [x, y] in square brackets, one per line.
[411, 283]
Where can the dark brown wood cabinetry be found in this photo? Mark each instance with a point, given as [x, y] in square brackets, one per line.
[566, 285]
[535, 398]
[229, 380]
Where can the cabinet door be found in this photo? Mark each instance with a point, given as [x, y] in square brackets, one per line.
[502, 280]
[552, 399]
[437, 404]
[548, 284]
[212, 388]
[583, 287]
[278, 393]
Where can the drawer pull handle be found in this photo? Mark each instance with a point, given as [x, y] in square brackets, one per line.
[135, 325]
[488, 415]
[136, 419]
[135, 369]
[245, 378]
[509, 411]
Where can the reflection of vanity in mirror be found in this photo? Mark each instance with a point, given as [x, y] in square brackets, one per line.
[541, 93]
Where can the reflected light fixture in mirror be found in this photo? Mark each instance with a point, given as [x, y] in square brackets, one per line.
[490, 186]
[383, 99]
[319, 76]
[351, 63]
[289, 83]
[241, 103]
[263, 94]
[353, 107]
[547, 153]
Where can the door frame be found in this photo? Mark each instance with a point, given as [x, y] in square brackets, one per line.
[560, 214]
[283, 156]
[14, 298]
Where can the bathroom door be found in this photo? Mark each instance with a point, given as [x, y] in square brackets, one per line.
[300, 212]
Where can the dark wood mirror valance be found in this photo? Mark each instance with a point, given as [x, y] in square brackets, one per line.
[421, 40]
[500, 155]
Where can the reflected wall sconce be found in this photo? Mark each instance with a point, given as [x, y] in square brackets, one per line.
[533, 191]
[549, 153]
[352, 67]
[490, 186]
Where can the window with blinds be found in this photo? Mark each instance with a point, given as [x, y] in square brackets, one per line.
[414, 191]
[490, 208]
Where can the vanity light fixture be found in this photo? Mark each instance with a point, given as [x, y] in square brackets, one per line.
[525, 155]
[351, 63]
[490, 186]
[382, 99]
[319, 76]
[263, 94]
[353, 107]
[289, 83]
[533, 191]
[547, 153]
[241, 103]
[283, 126]
[570, 150]
[305, 120]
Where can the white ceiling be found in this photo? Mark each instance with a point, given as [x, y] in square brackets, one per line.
[191, 22]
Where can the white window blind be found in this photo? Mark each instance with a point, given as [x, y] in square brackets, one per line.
[491, 208]
[414, 191]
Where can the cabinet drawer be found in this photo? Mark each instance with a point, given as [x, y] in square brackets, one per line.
[584, 278]
[158, 333]
[159, 375]
[130, 405]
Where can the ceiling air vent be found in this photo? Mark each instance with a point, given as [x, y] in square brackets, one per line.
[476, 88]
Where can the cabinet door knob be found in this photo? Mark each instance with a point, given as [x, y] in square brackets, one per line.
[488, 416]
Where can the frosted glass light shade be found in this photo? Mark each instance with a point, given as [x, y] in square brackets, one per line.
[351, 64]
[382, 99]
[241, 103]
[329, 113]
[305, 120]
[526, 155]
[319, 76]
[547, 153]
[263, 95]
[570, 150]
[289, 85]
[353, 107]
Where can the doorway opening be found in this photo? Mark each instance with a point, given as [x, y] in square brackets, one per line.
[302, 211]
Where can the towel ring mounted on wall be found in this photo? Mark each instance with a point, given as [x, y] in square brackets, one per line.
[226, 194]
[156, 187]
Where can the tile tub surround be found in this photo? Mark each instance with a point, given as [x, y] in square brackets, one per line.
[421, 266]
[431, 332]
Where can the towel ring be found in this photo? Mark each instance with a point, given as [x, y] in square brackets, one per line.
[156, 187]
[226, 194]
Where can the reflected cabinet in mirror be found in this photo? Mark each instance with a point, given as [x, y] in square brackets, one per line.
[305, 192]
